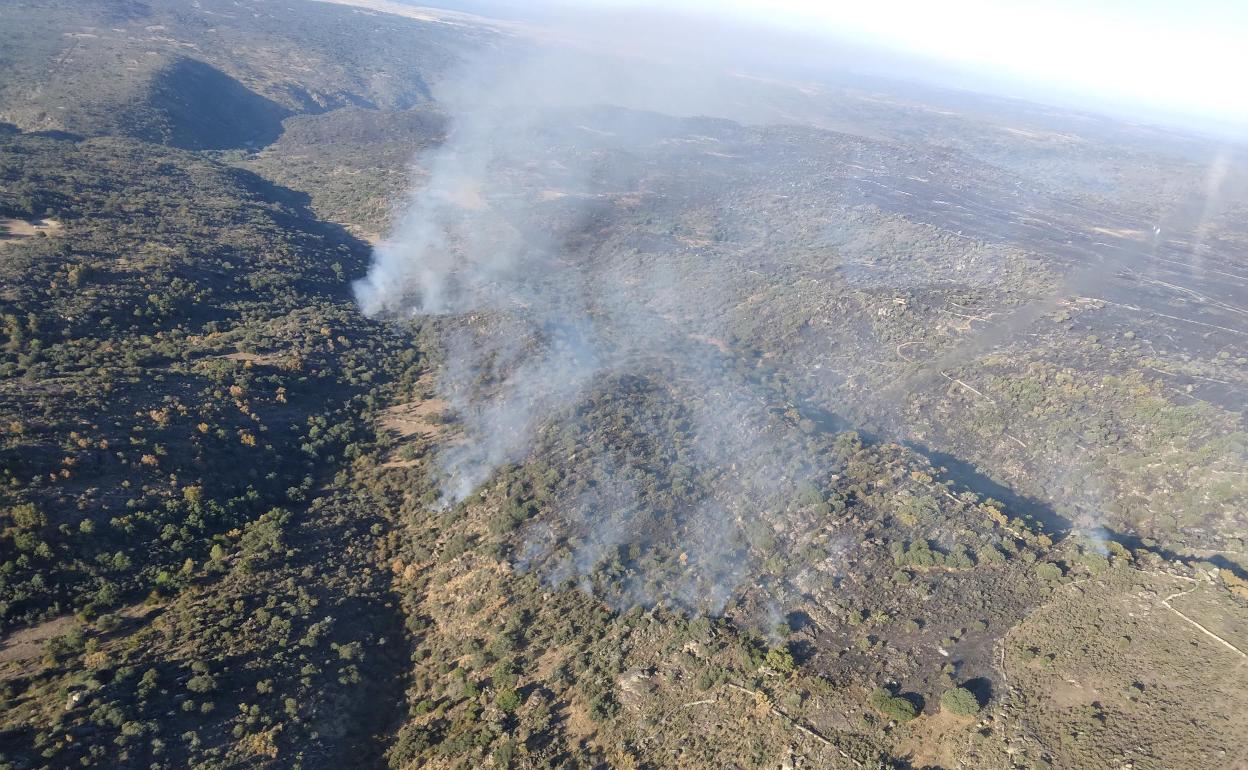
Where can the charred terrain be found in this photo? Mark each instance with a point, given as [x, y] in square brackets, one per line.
[838, 425]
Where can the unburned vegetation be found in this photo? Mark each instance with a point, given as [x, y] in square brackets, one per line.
[916, 458]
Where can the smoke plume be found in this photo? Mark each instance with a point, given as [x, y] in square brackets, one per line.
[502, 238]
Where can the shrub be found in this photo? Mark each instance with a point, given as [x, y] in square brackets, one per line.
[508, 700]
[201, 683]
[27, 517]
[960, 701]
[893, 706]
[603, 708]
[780, 659]
[1048, 571]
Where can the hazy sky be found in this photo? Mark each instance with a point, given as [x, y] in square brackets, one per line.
[1182, 56]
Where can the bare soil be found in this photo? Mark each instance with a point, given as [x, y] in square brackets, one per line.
[417, 418]
[27, 644]
[13, 230]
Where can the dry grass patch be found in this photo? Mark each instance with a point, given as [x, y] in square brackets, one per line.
[1107, 675]
[16, 230]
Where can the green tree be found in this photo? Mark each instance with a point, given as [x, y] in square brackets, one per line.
[26, 516]
[508, 700]
[1048, 571]
[960, 701]
[893, 706]
[780, 659]
[201, 683]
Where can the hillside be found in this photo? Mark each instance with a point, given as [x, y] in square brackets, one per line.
[878, 427]
[216, 75]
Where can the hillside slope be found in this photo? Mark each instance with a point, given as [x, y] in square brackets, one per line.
[904, 444]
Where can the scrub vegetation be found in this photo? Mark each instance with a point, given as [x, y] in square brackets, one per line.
[984, 508]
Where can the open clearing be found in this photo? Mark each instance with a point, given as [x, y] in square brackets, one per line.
[415, 419]
[19, 229]
[1108, 675]
[29, 644]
